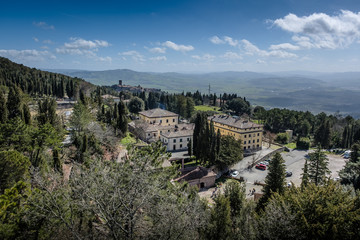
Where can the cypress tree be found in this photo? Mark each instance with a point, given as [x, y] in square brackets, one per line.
[122, 122]
[26, 114]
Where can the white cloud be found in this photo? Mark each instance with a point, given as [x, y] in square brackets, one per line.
[48, 41]
[205, 57]
[226, 39]
[44, 25]
[35, 39]
[216, 40]
[79, 43]
[251, 49]
[158, 58]
[284, 46]
[231, 55]
[177, 47]
[231, 41]
[79, 46]
[259, 61]
[156, 50]
[104, 59]
[136, 56]
[322, 30]
[26, 55]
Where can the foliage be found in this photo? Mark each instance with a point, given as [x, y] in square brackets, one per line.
[275, 180]
[318, 167]
[239, 106]
[320, 212]
[81, 117]
[14, 167]
[282, 138]
[136, 105]
[231, 151]
[350, 174]
[125, 200]
[303, 143]
[220, 224]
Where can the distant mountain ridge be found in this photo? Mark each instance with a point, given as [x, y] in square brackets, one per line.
[298, 90]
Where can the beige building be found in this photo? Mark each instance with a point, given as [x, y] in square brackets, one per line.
[249, 132]
[177, 140]
[159, 116]
[158, 124]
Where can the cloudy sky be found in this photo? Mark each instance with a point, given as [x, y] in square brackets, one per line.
[183, 35]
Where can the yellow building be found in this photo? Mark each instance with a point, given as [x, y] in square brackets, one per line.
[249, 132]
[160, 117]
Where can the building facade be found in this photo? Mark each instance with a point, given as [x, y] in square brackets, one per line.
[177, 140]
[158, 124]
[248, 132]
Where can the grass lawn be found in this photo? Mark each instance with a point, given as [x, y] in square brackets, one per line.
[205, 108]
[128, 140]
[291, 145]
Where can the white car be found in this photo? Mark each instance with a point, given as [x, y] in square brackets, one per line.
[234, 173]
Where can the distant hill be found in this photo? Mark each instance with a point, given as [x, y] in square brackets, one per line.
[298, 90]
[37, 82]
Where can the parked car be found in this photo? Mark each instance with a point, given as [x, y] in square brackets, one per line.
[234, 173]
[265, 163]
[268, 160]
[288, 174]
[260, 166]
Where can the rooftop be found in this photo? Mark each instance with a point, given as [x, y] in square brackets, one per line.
[241, 123]
[158, 112]
[194, 173]
[180, 133]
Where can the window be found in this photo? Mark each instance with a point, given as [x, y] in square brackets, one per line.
[257, 140]
[167, 120]
[245, 136]
[244, 148]
[160, 131]
[258, 134]
[169, 130]
[180, 139]
[253, 141]
[249, 141]
[173, 119]
[160, 121]
[188, 139]
[249, 135]
[148, 134]
[180, 145]
[244, 142]
[174, 140]
[248, 147]
[254, 135]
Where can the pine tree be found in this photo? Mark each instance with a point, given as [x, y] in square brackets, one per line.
[318, 166]
[220, 223]
[13, 103]
[305, 176]
[56, 159]
[275, 180]
[3, 109]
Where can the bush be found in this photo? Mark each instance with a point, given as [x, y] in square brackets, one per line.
[282, 138]
[303, 143]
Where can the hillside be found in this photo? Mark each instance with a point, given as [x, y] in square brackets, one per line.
[36, 82]
[311, 91]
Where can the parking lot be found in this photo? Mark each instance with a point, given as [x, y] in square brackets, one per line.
[294, 161]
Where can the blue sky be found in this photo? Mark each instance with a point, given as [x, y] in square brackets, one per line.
[183, 35]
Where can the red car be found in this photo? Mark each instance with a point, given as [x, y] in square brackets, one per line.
[261, 166]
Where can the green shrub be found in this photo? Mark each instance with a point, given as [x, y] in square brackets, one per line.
[303, 143]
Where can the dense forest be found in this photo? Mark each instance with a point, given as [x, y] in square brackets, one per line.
[52, 189]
